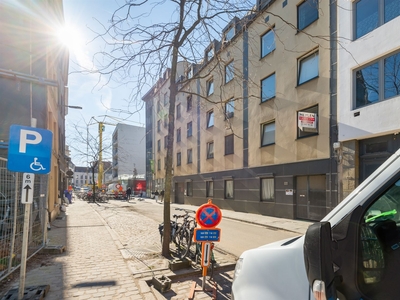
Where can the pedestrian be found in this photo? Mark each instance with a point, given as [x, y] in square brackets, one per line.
[128, 193]
[68, 195]
[162, 195]
[156, 195]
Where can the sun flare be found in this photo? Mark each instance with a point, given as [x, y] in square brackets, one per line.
[70, 37]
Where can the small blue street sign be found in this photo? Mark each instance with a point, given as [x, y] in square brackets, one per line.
[207, 235]
[29, 150]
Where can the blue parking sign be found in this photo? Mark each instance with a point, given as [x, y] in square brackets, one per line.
[29, 150]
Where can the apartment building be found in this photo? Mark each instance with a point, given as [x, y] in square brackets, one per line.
[368, 87]
[34, 80]
[255, 122]
[128, 150]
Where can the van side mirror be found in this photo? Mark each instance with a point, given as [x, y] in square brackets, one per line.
[318, 260]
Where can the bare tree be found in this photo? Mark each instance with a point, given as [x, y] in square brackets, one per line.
[140, 50]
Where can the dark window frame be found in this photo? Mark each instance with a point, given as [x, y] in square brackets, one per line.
[189, 159]
[301, 64]
[209, 188]
[231, 112]
[263, 133]
[208, 153]
[262, 199]
[178, 135]
[210, 87]
[229, 144]
[189, 103]
[309, 132]
[229, 67]
[266, 35]
[301, 9]
[273, 75]
[189, 131]
[226, 194]
[210, 116]
[178, 159]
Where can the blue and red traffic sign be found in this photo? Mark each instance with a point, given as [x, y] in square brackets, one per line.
[208, 215]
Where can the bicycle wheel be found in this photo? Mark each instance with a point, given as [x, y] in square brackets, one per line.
[185, 241]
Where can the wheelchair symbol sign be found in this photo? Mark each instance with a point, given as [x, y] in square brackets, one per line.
[29, 150]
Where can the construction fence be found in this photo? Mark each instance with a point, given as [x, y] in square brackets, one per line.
[12, 218]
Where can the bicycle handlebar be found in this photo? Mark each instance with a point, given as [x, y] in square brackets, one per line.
[186, 210]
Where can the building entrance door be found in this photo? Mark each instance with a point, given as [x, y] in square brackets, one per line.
[311, 197]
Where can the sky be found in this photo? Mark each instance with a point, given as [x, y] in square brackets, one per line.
[83, 19]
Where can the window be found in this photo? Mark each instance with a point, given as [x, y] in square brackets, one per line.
[189, 103]
[158, 145]
[166, 121]
[267, 189]
[165, 162]
[210, 53]
[189, 188]
[229, 189]
[229, 144]
[178, 111]
[165, 99]
[209, 188]
[165, 141]
[210, 118]
[371, 14]
[308, 68]
[378, 81]
[307, 122]
[189, 129]
[189, 156]
[307, 13]
[159, 164]
[268, 88]
[267, 134]
[210, 150]
[178, 158]
[178, 135]
[158, 125]
[158, 106]
[229, 72]
[267, 43]
[230, 33]
[190, 73]
[229, 108]
[210, 87]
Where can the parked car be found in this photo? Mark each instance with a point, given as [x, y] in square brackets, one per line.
[353, 253]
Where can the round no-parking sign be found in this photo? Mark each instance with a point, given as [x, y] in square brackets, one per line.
[208, 215]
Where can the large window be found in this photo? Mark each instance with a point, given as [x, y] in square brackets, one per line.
[210, 188]
[307, 13]
[189, 188]
[178, 135]
[307, 122]
[267, 43]
[228, 189]
[178, 111]
[229, 108]
[189, 103]
[158, 145]
[210, 150]
[308, 68]
[210, 87]
[165, 141]
[210, 118]
[230, 33]
[158, 106]
[370, 14]
[268, 88]
[229, 72]
[268, 134]
[189, 129]
[165, 99]
[267, 189]
[178, 158]
[189, 156]
[165, 121]
[158, 125]
[229, 144]
[378, 81]
[159, 164]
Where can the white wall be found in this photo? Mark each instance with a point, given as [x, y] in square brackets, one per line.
[376, 119]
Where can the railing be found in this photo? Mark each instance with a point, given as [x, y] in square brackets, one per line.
[12, 218]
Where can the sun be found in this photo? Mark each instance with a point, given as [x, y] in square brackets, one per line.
[70, 37]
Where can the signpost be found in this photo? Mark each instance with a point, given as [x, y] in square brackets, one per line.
[29, 151]
[208, 216]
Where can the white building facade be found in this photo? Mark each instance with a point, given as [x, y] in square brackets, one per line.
[128, 150]
[368, 87]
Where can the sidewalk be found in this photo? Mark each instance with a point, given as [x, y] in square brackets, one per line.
[101, 262]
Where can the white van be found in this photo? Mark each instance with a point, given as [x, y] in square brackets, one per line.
[353, 253]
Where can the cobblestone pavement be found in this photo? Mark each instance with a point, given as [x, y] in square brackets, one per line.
[113, 252]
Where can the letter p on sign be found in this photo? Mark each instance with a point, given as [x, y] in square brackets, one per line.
[24, 140]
